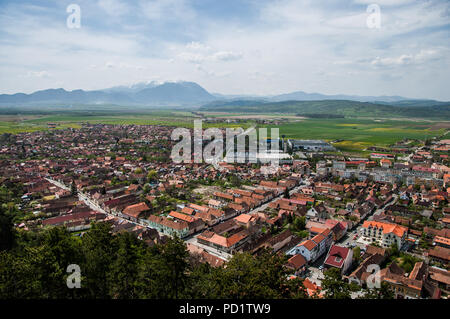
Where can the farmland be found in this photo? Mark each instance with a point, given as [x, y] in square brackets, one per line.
[353, 134]
[357, 134]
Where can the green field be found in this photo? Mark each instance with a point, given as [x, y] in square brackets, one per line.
[16, 124]
[356, 134]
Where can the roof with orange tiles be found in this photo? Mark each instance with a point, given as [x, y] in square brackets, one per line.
[198, 207]
[240, 192]
[216, 212]
[223, 241]
[136, 209]
[442, 240]
[440, 252]
[269, 184]
[187, 210]
[186, 218]
[308, 244]
[174, 225]
[224, 195]
[297, 261]
[325, 232]
[312, 289]
[243, 218]
[318, 238]
[205, 216]
[387, 227]
[316, 230]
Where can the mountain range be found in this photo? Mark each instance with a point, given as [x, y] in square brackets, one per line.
[148, 94]
[191, 95]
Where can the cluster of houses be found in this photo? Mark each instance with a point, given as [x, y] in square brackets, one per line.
[398, 196]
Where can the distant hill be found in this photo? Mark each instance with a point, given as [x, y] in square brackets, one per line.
[331, 107]
[303, 96]
[169, 93]
[190, 95]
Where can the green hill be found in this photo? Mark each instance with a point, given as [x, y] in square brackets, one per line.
[332, 107]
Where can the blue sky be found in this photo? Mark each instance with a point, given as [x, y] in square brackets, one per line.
[231, 47]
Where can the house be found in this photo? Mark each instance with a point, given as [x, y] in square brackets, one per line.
[204, 256]
[403, 287]
[385, 234]
[222, 243]
[361, 274]
[215, 204]
[385, 163]
[441, 241]
[440, 254]
[440, 278]
[312, 289]
[297, 263]
[223, 196]
[245, 220]
[135, 211]
[313, 248]
[319, 212]
[167, 226]
[339, 257]
[195, 224]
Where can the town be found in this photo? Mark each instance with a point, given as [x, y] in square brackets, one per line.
[385, 215]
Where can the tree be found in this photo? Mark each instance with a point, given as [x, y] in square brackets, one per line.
[164, 271]
[384, 292]
[151, 176]
[73, 188]
[123, 275]
[7, 233]
[393, 250]
[299, 223]
[247, 276]
[334, 286]
[98, 251]
[357, 254]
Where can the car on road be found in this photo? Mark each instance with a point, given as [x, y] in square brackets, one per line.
[356, 236]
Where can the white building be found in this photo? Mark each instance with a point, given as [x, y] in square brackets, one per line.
[385, 234]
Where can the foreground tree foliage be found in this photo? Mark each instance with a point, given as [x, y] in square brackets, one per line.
[122, 266]
[384, 292]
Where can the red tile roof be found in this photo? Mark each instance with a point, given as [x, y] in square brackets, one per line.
[336, 256]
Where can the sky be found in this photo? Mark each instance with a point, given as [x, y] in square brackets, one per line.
[253, 47]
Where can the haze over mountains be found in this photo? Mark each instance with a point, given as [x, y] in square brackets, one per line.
[179, 94]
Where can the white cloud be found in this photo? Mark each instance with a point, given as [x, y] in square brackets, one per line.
[385, 2]
[114, 7]
[286, 45]
[37, 74]
[167, 9]
[197, 53]
[406, 59]
[226, 56]
[197, 46]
